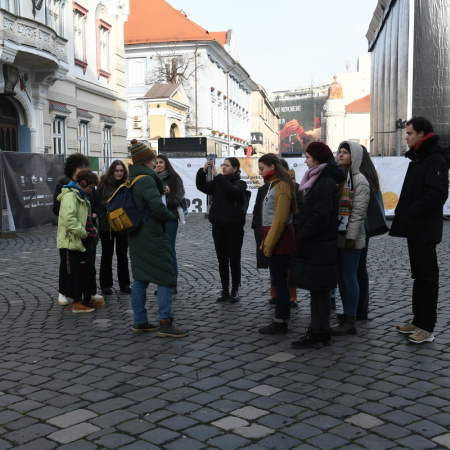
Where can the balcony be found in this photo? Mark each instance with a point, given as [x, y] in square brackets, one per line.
[30, 43]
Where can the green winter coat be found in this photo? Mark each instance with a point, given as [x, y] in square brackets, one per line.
[150, 254]
[73, 214]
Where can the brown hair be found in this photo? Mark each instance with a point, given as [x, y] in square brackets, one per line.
[85, 177]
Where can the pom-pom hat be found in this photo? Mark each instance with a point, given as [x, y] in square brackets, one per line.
[140, 153]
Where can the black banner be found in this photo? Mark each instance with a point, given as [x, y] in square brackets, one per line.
[30, 180]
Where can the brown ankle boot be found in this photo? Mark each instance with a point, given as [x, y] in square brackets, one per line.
[347, 325]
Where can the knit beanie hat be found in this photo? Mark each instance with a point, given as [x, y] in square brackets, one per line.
[320, 152]
[140, 153]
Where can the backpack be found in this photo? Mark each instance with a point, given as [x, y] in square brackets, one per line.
[123, 215]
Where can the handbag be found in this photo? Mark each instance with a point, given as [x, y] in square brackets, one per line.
[375, 223]
[181, 215]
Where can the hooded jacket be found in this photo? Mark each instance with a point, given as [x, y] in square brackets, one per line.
[419, 212]
[150, 254]
[73, 212]
[355, 228]
[314, 265]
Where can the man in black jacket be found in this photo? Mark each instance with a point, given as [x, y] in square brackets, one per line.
[419, 218]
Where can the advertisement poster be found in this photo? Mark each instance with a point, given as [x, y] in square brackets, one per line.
[300, 121]
[30, 180]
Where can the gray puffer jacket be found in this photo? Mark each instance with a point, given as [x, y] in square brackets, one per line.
[355, 227]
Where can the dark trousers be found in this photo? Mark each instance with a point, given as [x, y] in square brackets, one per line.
[106, 272]
[228, 244]
[425, 273]
[76, 273]
[362, 312]
[278, 267]
[320, 310]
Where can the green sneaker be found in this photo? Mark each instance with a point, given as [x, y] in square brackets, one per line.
[408, 328]
[421, 336]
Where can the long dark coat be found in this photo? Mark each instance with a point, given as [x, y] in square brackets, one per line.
[419, 213]
[314, 265]
[150, 254]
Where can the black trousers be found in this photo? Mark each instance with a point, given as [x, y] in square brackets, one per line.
[228, 245]
[425, 273]
[106, 272]
[77, 273]
[320, 310]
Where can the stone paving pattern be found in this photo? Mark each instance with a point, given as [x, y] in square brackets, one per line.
[84, 382]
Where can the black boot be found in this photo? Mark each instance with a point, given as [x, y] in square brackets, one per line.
[234, 297]
[224, 296]
[346, 326]
[308, 340]
[275, 328]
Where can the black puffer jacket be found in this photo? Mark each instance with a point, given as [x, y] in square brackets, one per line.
[419, 213]
[228, 207]
[314, 265]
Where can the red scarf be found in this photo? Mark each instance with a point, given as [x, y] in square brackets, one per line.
[425, 138]
[269, 175]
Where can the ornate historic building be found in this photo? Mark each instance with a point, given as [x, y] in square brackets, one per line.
[62, 77]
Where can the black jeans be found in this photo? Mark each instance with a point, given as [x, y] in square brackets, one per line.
[279, 266]
[362, 312]
[425, 273]
[228, 244]
[106, 272]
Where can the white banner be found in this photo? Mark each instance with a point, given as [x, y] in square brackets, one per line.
[391, 173]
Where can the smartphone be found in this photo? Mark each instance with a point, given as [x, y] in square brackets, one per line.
[211, 157]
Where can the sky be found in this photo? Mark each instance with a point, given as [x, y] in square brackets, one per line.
[288, 43]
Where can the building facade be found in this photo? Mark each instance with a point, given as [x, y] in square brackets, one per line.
[63, 77]
[163, 46]
[264, 123]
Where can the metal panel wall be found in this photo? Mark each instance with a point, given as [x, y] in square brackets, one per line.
[389, 77]
[431, 78]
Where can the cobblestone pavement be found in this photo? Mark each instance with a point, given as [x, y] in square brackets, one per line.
[87, 382]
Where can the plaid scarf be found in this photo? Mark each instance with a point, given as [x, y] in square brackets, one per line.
[346, 203]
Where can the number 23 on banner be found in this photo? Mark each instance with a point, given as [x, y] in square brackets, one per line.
[196, 204]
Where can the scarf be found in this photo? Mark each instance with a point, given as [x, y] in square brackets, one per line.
[346, 203]
[164, 174]
[269, 175]
[310, 178]
[425, 138]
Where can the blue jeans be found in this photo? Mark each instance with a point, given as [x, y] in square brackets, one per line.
[139, 298]
[172, 229]
[278, 266]
[348, 261]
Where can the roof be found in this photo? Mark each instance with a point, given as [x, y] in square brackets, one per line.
[362, 105]
[162, 90]
[156, 21]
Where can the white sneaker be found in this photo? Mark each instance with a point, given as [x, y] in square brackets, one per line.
[97, 297]
[421, 336]
[62, 300]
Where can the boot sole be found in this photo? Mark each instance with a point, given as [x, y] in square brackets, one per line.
[82, 312]
[164, 335]
[137, 330]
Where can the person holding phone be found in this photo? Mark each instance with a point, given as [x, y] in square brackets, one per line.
[227, 215]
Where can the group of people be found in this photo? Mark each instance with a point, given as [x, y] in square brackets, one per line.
[313, 236]
[310, 235]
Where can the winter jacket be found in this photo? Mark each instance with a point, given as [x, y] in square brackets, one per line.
[228, 207]
[277, 226]
[92, 197]
[177, 196]
[355, 227]
[150, 254]
[73, 212]
[314, 265]
[419, 212]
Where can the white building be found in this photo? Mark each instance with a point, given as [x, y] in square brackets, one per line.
[63, 77]
[163, 46]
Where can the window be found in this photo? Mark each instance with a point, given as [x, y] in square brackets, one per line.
[13, 6]
[103, 68]
[83, 137]
[59, 145]
[107, 156]
[55, 16]
[79, 35]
